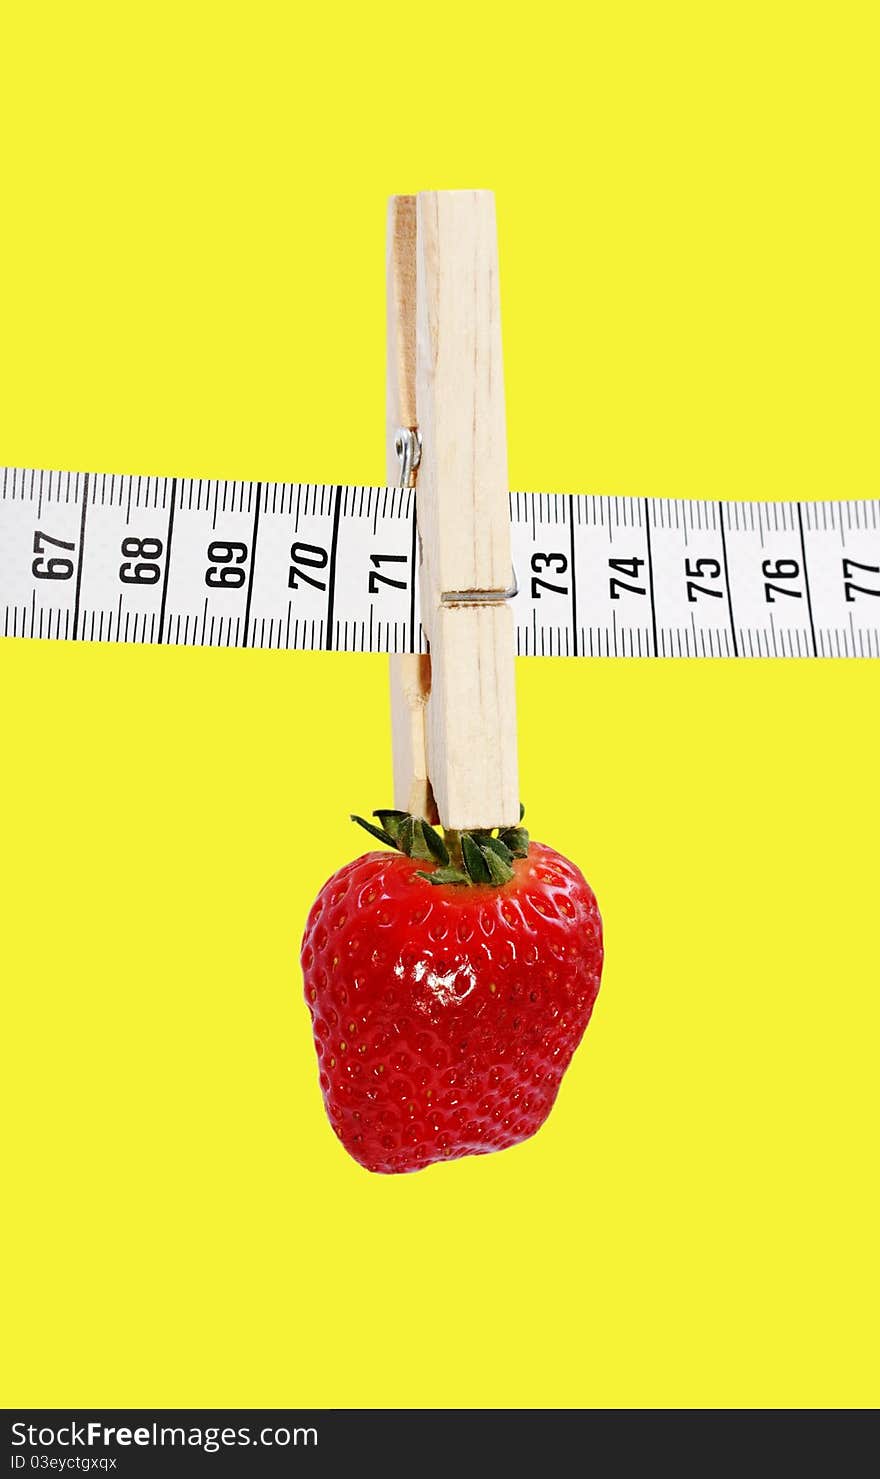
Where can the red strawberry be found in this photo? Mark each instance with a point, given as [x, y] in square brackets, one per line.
[447, 997]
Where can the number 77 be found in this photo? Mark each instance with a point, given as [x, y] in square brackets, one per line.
[849, 585]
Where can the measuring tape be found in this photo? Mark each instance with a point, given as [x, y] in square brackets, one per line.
[302, 566]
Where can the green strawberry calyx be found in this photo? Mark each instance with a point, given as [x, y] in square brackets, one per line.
[466, 858]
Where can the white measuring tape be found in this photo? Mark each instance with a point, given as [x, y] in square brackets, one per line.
[101, 557]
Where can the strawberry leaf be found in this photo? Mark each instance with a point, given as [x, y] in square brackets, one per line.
[474, 860]
[420, 848]
[405, 834]
[382, 835]
[435, 842]
[445, 875]
[497, 846]
[517, 840]
[499, 871]
[390, 821]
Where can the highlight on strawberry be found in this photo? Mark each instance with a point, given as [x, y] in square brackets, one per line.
[449, 982]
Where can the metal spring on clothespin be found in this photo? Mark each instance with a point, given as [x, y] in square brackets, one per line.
[408, 446]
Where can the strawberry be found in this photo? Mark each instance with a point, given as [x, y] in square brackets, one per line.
[449, 984]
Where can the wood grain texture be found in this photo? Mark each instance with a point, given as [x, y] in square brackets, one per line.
[410, 675]
[400, 399]
[463, 488]
[472, 756]
[463, 511]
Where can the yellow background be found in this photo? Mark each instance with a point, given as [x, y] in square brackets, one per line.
[192, 282]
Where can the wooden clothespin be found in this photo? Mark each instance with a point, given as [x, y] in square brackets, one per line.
[453, 713]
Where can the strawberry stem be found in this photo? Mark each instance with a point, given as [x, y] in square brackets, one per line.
[465, 858]
[452, 838]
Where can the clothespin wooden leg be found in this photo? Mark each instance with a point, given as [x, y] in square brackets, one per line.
[410, 673]
[455, 735]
